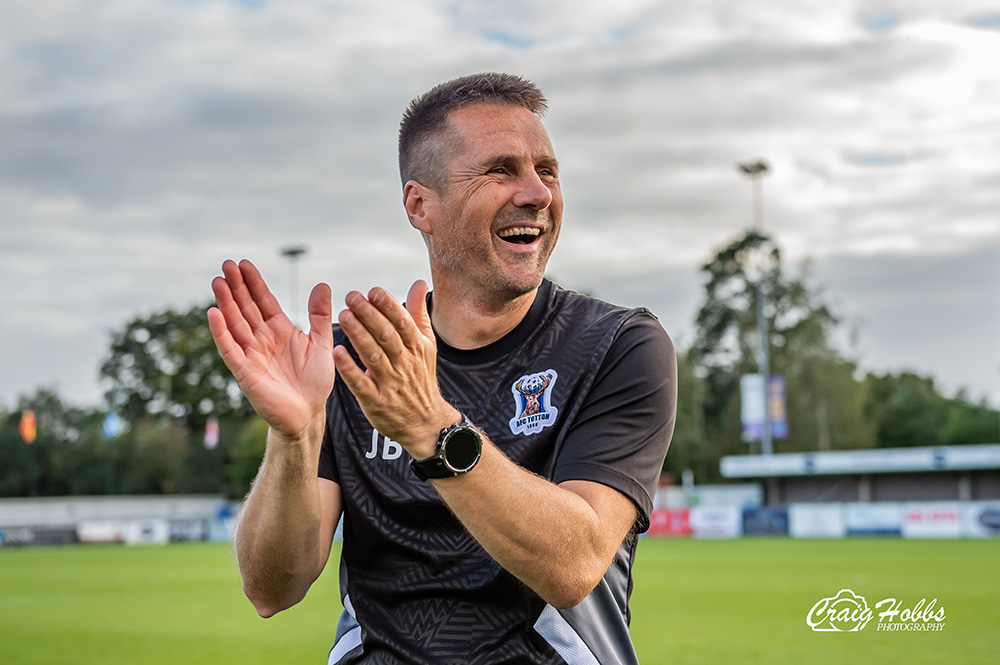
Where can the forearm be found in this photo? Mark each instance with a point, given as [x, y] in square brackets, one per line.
[559, 540]
[551, 538]
[277, 538]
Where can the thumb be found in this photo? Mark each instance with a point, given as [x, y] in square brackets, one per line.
[416, 305]
[321, 314]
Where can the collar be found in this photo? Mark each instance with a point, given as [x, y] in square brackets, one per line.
[507, 343]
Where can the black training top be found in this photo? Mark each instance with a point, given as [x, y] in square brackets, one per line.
[579, 390]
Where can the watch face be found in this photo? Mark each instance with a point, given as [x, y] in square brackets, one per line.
[461, 450]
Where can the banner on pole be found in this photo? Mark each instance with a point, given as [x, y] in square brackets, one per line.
[752, 406]
[112, 425]
[776, 406]
[212, 433]
[28, 427]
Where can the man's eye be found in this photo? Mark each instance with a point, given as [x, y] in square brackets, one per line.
[498, 169]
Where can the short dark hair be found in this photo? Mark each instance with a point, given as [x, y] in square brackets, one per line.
[426, 118]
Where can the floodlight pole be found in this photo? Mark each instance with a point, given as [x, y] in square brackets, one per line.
[293, 254]
[755, 171]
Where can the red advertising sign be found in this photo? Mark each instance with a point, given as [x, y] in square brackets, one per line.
[670, 523]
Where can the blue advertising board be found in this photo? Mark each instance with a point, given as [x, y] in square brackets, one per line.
[765, 522]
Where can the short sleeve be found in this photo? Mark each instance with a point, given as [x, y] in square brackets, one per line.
[327, 456]
[327, 460]
[621, 433]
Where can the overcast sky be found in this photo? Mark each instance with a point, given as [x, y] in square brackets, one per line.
[144, 141]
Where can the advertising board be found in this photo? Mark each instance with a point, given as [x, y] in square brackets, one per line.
[716, 521]
[765, 522]
[103, 531]
[669, 523]
[873, 519]
[816, 520]
[940, 519]
[147, 532]
[981, 519]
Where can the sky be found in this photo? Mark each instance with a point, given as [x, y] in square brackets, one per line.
[142, 142]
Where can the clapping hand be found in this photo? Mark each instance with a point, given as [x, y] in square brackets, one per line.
[398, 391]
[285, 373]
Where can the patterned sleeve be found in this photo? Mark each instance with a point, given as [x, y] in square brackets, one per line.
[620, 436]
[327, 457]
[327, 461]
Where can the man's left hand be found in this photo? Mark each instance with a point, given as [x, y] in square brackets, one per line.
[398, 392]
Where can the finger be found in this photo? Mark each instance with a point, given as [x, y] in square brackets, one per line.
[397, 315]
[321, 316]
[241, 295]
[233, 318]
[368, 349]
[379, 326]
[231, 352]
[359, 383]
[262, 296]
[416, 306]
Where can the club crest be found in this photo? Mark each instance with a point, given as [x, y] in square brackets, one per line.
[533, 409]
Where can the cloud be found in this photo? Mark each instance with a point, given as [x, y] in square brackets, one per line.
[145, 142]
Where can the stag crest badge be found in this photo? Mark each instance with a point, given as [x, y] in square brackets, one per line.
[533, 407]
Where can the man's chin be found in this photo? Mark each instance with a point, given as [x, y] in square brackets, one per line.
[515, 287]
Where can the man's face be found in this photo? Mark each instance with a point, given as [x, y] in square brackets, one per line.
[500, 205]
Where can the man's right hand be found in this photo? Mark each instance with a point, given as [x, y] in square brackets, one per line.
[286, 374]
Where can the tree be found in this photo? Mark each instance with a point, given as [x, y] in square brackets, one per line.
[970, 423]
[905, 409]
[19, 471]
[67, 456]
[824, 401]
[689, 445]
[246, 457]
[151, 455]
[166, 364]
[908, 410]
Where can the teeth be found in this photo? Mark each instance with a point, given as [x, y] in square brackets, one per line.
[519, 231]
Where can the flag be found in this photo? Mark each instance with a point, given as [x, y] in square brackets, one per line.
[777, 407]
[752, 407]
[212, 433]
[28, 426]
[112, 425]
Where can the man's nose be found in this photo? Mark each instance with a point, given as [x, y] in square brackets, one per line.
[532, 192]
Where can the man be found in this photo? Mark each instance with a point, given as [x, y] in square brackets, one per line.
[493, 446]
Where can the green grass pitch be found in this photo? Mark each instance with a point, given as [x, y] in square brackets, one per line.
[741, 601]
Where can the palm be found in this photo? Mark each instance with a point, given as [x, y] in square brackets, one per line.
[286, 374]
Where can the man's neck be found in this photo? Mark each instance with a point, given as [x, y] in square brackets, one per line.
[466, 322]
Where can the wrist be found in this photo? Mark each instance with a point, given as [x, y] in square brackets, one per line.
[305, 440]
[443, 418]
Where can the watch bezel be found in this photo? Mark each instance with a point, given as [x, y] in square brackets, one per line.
[466, 429]
[437, 465]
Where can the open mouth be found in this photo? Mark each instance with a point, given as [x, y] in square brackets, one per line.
[520, 235]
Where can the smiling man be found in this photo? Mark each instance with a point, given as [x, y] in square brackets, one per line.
[493, 446]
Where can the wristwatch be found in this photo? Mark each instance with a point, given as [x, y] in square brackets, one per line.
[458, 450]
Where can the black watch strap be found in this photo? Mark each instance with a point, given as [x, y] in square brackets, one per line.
[432, 467]
[440, 465]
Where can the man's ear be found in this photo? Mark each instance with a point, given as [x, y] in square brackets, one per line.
[421, 205]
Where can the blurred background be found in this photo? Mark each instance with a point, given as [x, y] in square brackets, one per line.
[802, 190]
[836, 159]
